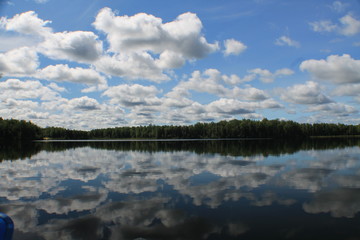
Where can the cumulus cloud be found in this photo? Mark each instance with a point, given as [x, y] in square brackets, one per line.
[230, 106]
[133, 66]
[233, 47]
[213, 82]
[308, 93]
[15, 88]
[209, 81]
[78, 46]
[133, 95]
[348, 26]
[224, 108]
[266, 76]
[287, 41]
[348, 90]
[19, 62]
[84, 103]
[63, 73]
[142, 46]
[336, 69]
[14, 103]
[351, 26]
[27, 23]
[10, 41]
[249, 93]
[144, 32]
[25, 99]
[170, 60]
[338, 109]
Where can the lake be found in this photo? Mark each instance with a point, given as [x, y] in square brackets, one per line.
[215, 189]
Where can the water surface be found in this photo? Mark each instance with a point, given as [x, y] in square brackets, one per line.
[256, 189]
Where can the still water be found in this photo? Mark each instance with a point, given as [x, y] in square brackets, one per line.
[182, 190]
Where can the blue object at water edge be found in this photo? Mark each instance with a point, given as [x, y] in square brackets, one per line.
[6, 227]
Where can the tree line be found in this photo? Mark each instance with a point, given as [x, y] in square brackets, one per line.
[245, 128]
[229, 129]
[12, 130]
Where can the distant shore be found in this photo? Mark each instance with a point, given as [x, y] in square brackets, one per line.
[20, 130]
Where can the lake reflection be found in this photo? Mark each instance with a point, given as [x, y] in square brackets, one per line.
[184, 190]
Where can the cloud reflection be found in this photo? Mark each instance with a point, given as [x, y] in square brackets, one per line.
[133, 194]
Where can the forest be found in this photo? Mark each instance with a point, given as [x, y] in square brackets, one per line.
[20, 130]
[12, 130]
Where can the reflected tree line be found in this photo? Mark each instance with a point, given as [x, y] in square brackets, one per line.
[243, 148]
[22, 130]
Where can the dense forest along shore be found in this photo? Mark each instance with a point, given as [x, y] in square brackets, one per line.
[19, 130]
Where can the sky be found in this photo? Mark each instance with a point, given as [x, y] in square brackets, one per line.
[89, 64]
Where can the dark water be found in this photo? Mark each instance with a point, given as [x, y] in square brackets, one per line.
[183, 190]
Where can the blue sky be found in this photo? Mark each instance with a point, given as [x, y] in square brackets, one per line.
[93, 64]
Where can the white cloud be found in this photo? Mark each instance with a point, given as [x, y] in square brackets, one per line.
[14, 103]
[173, 101]
[209, 81]
[19, 62]
[133, 95]
[235, 107]
[181, 40]
[336, 69]
[14, 88]
[56, 87]
[266, 76]
[249, 93]
[28, 23]
[348, 26]
[144, 32]
[338, 109]
[84, 104]
[233, 47]
[212, 81]
[78, 46]
[286, 41]
[140, 46]
[133, 66]
[144, 47]
[63, 73]
[223, 108]
[323, 26]
[351, 26]
[170, 60]
[10, 42]
[230, 106]
[308, 93]
[347, 90]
